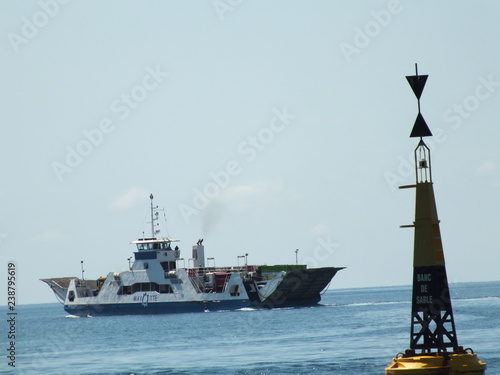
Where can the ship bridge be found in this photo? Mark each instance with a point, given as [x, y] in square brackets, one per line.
[156, 249]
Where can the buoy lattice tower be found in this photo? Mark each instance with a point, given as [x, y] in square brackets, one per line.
[432, 326]
[434, 345]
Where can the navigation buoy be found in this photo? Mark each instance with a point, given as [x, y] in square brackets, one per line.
[434, 348]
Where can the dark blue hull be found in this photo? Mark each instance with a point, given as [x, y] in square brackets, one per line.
[154, 308]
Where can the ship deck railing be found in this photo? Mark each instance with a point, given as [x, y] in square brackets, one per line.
[204, 270]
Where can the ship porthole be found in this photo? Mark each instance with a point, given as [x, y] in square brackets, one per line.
[71, 296]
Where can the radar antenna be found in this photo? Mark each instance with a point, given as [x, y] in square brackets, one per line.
[154, 218]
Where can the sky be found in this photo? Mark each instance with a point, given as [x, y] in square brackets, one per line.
[261, 126]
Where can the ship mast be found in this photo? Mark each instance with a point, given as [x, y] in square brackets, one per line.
[153, 219]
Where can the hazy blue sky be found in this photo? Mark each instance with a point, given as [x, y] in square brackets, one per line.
[291, 118]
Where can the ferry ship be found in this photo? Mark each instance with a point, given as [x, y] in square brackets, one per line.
[154, 284]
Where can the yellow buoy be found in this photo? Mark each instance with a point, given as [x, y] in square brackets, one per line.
[461, 363]
[434, 348]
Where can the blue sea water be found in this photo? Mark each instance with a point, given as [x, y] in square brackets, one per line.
[352, 331]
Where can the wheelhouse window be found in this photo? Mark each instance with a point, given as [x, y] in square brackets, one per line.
[144, 246]
[162, 246]
[154, 246]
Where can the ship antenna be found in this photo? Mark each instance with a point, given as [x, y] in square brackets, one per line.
[83, 278]
[152, 218]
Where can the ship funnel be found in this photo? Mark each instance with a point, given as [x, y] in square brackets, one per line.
[199, 254]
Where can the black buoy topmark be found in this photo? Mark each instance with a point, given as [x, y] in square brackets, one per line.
[434, 346]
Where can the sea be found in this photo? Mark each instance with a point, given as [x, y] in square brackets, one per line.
[351, 332]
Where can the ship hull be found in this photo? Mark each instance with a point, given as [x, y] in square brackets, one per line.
[294, 287]
[107, 309]
[301, 287]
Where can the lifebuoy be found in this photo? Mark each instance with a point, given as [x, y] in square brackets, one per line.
[71, 296]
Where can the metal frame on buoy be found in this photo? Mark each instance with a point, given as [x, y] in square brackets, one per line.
[434, 345]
